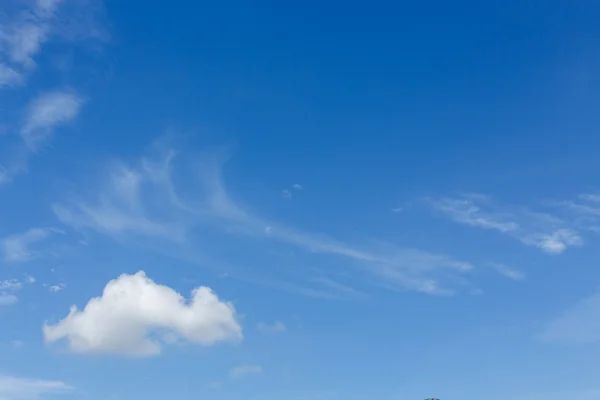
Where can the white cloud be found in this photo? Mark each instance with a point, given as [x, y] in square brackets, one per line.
[23, 33]
[8, 299]
[8, 288]
[150, 208]
[10, 285]
[578, 325]
[403, 268]
[57, 288]
[133, 309]
[508, 272]
[120, 209]
[46, 112]
[17, 248]
[584, 209]
[243, 371]
[13, 388]
[297, 186]
[544, 231]
[275, 327]
[25, 27]
[23, 36]
[466, 212]
[9, 77]
[15, 165]
[554, 242]
[286, 194]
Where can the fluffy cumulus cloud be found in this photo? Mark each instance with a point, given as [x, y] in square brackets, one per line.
[135, 315]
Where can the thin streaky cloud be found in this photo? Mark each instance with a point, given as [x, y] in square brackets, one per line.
[508, 272]
[24, 33]
[578, 325]
[8, 299]
[555, 242]
[46, 112]
[465, 211]
[297, 186]
[547, 232]
[9, 77]
[122, 211]
[16, 388]
[243, 371]
[16, 165]
[584, 209]
[592, 197]
[25, 29]
[18, 247]
[339, 287]
[275, 327]
[400, 267]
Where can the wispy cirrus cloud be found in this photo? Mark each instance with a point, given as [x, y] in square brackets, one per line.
[542, 230]
[122, 209]
[18, 247]
[154, 209]
[242, 371]
[584, 209]
[15, 388]
[46, 112]
[578, 325]
[26, 26]
[8, 299]
[9, 77]
[508, 272]
[25, 29]
[275, 327]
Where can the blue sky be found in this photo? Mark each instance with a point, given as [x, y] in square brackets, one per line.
[305, 202]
